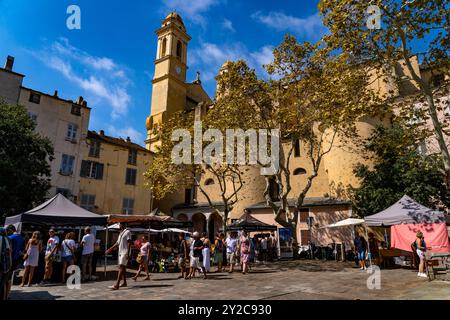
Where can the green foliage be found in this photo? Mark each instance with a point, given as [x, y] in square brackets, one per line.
[399, 169]
[24, 169]
[409, 30]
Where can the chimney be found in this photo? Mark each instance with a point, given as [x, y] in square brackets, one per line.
[102, 133]
[56, 93]
[9, 63]
[80, 100]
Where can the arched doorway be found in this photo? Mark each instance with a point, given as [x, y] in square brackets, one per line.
[199, 222]
[214, 225]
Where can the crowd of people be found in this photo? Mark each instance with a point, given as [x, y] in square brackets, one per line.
[15, 251]
[370, 250]
[196, 254]
[190, 255]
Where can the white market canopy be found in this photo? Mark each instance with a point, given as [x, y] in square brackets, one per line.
[344, 223]
[175, 230]
[405, 211]
[58, 211]
[116, 227]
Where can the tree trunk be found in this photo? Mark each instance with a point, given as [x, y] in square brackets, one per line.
[225, 218]
[439, 135]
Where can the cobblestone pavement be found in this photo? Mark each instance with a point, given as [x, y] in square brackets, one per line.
[300, 280]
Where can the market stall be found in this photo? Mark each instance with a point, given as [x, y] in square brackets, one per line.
[249, 223]
[347, 223]
[61, 213]
[151, 223]
[57, 211]
[405, 218]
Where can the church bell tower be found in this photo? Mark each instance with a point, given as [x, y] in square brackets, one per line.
[169, 81]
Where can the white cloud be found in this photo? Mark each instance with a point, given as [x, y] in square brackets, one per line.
[228, 25]
[192, 10]
[63, 47]
[263, 56]
[100, 77]
[134, 135]
[310, 27]
[209, 57]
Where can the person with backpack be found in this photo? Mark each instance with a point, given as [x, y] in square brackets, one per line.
[51, 255]
[68, 247]
[420, 247]
[218, 251]
[17, 246]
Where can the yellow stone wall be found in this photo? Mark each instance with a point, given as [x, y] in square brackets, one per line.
[111, 190]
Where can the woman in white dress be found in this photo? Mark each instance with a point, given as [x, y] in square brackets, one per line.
[31, 258]
[206, 252]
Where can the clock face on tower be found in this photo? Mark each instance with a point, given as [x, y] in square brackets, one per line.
[178, 70]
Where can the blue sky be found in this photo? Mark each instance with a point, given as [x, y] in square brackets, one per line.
[110, 60]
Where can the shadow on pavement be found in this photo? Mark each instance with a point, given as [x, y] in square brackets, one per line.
[35, 295]
[152, 286]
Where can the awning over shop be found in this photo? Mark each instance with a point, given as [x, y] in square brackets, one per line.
[58, 211]
[405, 211]
[147, 220]
[249, 223]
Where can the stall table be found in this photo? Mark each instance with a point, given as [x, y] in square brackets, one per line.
[437, 263]
[386, 255]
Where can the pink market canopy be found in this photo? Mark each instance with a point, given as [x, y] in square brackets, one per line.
[405, 211]
[58, 211]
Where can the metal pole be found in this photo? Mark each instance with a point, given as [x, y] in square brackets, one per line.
[368, 246]
[106, 248]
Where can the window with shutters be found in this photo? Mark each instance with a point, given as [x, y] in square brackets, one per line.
[88, 202]
[76, 110]
[297, 148]
[94, 149]
[163, 48]
[274, 190]
[305, 237]
[189, 196]
[35, 98]
[130, 177]
[71, 134]
[128, 206]
[65, 192]
[91, 169]
[132, 157]
[67, 163]
[304, 214]
[179, 49]
[33, 116]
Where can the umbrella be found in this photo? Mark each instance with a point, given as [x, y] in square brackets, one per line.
[343, 223]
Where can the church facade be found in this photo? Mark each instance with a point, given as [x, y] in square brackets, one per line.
[325, 203]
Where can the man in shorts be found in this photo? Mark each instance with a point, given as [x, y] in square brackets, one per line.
[124, 246]
[197, 256]
[51, 255]
[183, 255]
[231, 244]
[87, 243]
